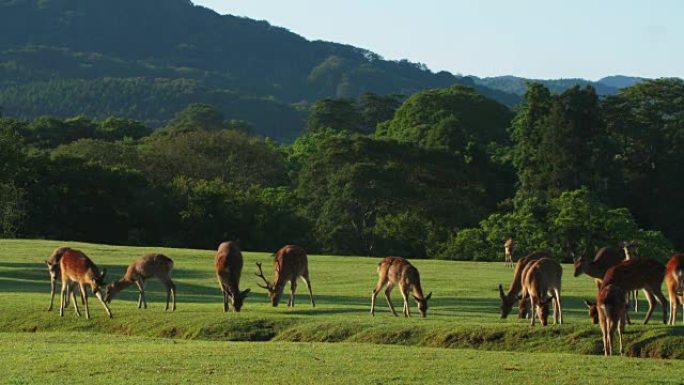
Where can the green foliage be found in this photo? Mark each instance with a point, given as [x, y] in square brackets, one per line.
[335, 114]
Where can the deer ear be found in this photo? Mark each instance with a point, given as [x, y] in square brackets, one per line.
[103, 273]
[245, 293]
[501, 293]
[48, 263]
[589, 304]
[428, 296]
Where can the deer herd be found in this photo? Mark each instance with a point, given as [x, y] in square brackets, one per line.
[536, 283]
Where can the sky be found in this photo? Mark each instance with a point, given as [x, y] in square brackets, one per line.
[541, 39]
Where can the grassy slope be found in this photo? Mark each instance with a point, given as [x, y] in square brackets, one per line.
[165, 361]
[463, 314]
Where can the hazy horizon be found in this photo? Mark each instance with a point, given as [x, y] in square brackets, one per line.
[530, 38]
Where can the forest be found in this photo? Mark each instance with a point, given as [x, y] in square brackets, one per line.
[443, 173]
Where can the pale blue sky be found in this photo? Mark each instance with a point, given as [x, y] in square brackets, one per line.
[530, 38]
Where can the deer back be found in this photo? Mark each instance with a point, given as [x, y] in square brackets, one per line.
[542, 275]
[77, 267]
[635, 274]
[228, 262]
[674, 272]
[605, 258]
[151, 265]
[290, 263]
[516, 283]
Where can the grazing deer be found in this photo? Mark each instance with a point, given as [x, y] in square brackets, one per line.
[605, 258]
[611, 309]
[146, 266]
[228, 264]
[629, 247]
[76, 267]
[290, 264]
[544, 278]
[394, 271]
[53, 270]
[511, 297]
[643, 273]
[509, 247]
[674, 281]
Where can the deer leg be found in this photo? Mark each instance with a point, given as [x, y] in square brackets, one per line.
[621, 330]
[142, 294]
[85, 298]
[557, 297]
[168, 294]
[404, 295]
[374, 294]
[172, 289]
[388, 290]
[635, 296]
[62, 298]
[99, 297]
[307, 281]
[53, 284]
[661, 299]
[293, 288]
[673, 306]
[533, 307]
[650, 299]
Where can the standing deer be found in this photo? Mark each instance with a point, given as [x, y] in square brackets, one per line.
[146, 266]
[643, 273]
[228, 264]
[511, 297]
[544, 278]
[629, 247]
[55, 274]
[290, 263]
[394, 271]
[611, 308]
[76, 267]
[674, 281]
[509, 247]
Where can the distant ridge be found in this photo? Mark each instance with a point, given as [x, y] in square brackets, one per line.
[609, 85]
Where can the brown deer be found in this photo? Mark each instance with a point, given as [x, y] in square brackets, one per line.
[144, 267]
[544, 278]
[53, 270]
[76, 267]
[512, 296]
[629, 248]
[611, 309]
[643, 273]
[394, 271]
[509, 247]
[674, 281]
[228, 264]
[605, 258]
[290, 263]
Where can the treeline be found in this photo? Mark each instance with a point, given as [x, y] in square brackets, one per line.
[445, 173]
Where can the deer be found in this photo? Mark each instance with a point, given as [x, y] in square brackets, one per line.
[53, 270]
[76, 267]
[290, 263]
[629, 248]
[674, 281]
[228, 264]
[544, 278]
[512, 296]
[509, 247]
[611, 312]
[643, 273]
[393, 271]
[605, 258]
[144, 267]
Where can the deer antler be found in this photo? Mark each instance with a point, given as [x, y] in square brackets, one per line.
[260, 274]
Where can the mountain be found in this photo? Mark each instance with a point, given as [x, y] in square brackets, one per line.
[620, 81]
[516, 85]
[147, 59]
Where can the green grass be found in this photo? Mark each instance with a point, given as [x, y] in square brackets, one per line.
[463, 314]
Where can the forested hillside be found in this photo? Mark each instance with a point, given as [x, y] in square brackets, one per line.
[147, 60]
[445, 173]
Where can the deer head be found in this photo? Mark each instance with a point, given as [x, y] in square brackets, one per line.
[423, 304]
[580, 264]
[53, 269]
[593, 312]
[506, 303]
[274, 292]
[238, 300]
[629, 247]
[99, 282]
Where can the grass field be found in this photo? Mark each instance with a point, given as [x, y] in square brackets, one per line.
[461, 340]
